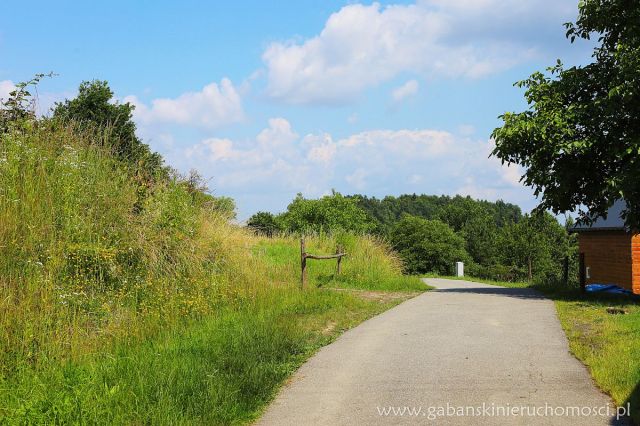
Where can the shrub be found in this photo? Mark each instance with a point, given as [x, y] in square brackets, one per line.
[331, 213]
[427, 245]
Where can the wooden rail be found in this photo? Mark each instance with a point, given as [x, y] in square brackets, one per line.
[304, 256]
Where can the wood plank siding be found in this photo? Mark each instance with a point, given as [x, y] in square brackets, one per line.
[613, 257]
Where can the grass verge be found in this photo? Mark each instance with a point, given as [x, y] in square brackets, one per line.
[221, 370]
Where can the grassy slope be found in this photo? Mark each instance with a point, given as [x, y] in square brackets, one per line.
[609, 345]
[169, 316]
[219, 370]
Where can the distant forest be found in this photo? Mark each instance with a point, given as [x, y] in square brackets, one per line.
[455, 211]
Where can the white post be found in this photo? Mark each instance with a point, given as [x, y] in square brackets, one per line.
[459, 269]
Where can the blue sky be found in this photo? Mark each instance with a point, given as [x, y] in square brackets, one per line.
[268, 99]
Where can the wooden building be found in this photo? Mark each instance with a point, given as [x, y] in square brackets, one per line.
[609, 253]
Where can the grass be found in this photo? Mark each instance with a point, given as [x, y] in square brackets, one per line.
[220, 370]
[358, 269]
[117, 308]
[608, 344]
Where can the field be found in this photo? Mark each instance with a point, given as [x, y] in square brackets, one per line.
[123, 302]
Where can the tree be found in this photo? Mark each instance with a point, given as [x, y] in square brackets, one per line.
[535, 246]
[580, 138]
[481, 234]
[427, 245]
[263, 223]
[330, 213]
[454, 211]
[95, 108]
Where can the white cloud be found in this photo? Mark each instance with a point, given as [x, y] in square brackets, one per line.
[466, 129]
[363, 45]
[215, 149]
[279, 133]
[357, 179]
[321, 149]
[277, 163]
[415, 179]
[213, 106]
[6, 87]
[408, 89]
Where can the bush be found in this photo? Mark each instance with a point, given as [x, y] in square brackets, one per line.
[428, 245]
[331, 213]
[263, 223]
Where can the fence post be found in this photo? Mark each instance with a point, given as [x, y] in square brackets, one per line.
[565, 275]
[338, 251]
[583, 274]
[303, 263]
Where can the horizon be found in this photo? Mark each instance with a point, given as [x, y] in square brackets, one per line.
[266, 101]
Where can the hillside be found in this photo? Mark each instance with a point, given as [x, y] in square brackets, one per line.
[129, 298]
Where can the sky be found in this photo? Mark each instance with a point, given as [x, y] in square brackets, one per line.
[270, 99]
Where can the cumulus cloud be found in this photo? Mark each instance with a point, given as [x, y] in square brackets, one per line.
[277, 163]
[363, 45]
[213, 106]
[408, 89]
[6, 87]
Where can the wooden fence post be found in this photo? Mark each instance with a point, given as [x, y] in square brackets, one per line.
[303, 263]
[304, 256]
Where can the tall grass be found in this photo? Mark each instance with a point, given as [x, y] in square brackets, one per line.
[79, 267]
[370, 263]
[117, 308]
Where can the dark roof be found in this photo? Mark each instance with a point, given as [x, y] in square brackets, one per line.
[613, 221]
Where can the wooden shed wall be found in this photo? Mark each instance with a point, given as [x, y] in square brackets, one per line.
[635, 251]
[609, 257]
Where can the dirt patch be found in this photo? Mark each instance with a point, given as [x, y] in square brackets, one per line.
[380, 296]
[328, 329]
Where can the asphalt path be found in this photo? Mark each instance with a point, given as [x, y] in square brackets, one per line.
[495, 355]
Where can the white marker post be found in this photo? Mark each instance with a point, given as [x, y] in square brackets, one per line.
[459, 269]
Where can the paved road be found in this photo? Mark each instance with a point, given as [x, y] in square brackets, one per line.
[466, 344]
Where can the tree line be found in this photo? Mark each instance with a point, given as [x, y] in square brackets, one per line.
[431, 233]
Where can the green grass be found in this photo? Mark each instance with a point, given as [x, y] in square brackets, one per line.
[358, 269]
[122, 309]
[220, 370]
[608, 344]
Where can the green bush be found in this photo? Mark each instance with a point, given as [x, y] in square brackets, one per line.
[331, 213]
[428, 245]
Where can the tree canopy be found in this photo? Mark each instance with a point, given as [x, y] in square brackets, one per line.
[427, 245]
[580, 138]
[329, 213]
[263, 223]
[95, 107]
